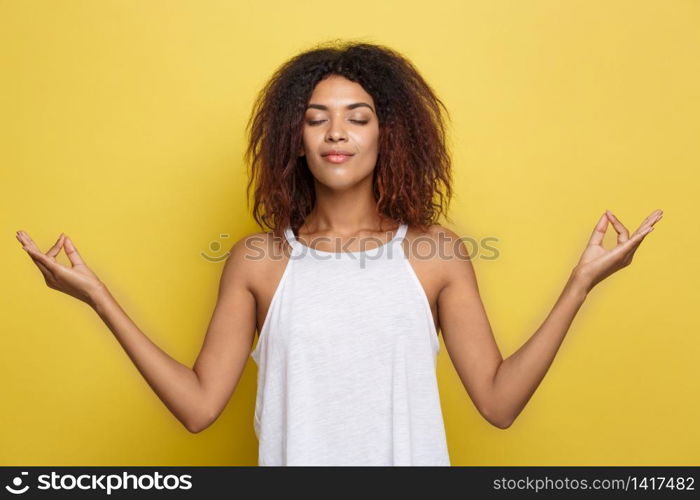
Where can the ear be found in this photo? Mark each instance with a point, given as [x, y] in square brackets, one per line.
[301, 151]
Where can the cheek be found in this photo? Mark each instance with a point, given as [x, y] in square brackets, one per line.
[368, 141]
[306, 137]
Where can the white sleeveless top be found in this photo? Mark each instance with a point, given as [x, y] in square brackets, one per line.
[347, 360]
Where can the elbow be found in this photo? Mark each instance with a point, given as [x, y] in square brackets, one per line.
[197, 426]
[501, 424]
[497, 419]
[194, 429]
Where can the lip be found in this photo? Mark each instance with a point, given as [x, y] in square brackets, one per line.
[337, 158]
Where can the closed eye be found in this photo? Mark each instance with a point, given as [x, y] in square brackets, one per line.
[316, 122]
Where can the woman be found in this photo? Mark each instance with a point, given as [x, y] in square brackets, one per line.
[347, 143]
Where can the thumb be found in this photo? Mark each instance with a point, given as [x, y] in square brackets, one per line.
[72, 252]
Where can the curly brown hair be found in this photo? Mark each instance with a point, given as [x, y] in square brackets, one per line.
[413, 162]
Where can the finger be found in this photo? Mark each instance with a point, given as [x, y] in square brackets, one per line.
[44, 270]
[25, 241]
[622, 233]
[31, 248]
[72, 252]
[50, 264]
[635, 246]
[42, 267]
[652, 219]
[53, 251]
[632, 244]
[599, 231]
[28, 242]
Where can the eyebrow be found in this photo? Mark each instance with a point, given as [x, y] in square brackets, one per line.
[349, 106]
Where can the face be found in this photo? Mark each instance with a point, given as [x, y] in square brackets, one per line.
[340, 116]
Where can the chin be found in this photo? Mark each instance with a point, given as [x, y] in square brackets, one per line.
[337, 179]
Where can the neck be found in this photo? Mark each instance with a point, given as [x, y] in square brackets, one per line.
[346, 212]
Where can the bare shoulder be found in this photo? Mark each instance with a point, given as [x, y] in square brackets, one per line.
[252, 257]
[442, 249]
[444, 242]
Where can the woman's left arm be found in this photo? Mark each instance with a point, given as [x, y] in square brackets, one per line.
[501, 388]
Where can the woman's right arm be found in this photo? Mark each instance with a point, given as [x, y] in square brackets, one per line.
[196, 396]
[174, 383]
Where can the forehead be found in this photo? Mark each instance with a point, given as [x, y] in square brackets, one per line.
[338, 90]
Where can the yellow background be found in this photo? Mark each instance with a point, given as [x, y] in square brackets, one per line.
[123, 126]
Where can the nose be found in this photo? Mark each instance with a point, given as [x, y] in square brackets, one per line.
[336, 131]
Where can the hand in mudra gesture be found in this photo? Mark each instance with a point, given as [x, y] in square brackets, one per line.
[78, 280]
[597, 263]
